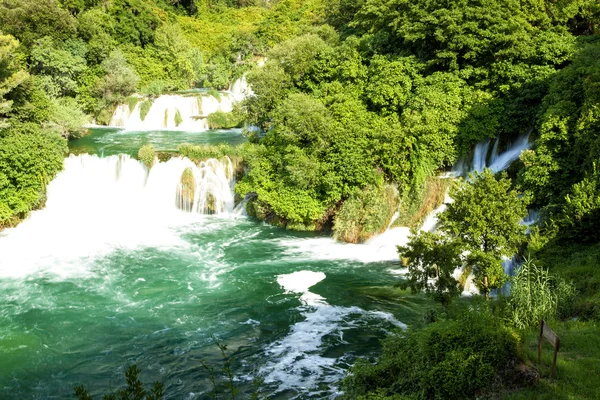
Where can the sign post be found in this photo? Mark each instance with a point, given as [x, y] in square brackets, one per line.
[546, 332]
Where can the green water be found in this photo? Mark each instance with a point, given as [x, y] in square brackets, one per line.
[159, 309]
[110, 141]
[157, 295]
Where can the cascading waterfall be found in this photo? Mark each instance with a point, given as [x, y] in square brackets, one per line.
[386, 242]
[179, 112]
[480, 156]
[171, 112]
[496, 162]
[207, 188]
[93, 195]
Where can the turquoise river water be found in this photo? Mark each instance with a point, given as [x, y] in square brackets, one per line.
[109, 275]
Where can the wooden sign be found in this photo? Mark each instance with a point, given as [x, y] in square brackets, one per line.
[546, 332]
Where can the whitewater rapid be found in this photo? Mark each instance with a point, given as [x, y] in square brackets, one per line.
[97, 205]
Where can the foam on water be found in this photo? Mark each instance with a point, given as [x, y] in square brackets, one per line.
[377, 249]
[297, 361]
[96, 205]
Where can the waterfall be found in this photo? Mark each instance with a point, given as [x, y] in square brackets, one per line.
[171, 112]
[480, 156]
[98, 204]
[178, 112]
[512, 153]
[240, 89]
[211, 189]
[495, 161]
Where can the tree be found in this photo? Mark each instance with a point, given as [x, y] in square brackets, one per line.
[59, 68]
[30, 20]
[431, 261]
[11, 75]
[120, 80]
[485, 218]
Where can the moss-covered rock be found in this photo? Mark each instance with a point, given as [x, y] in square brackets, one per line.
[187, 190]
[147, 155]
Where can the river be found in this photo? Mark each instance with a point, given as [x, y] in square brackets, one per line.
[111, 274]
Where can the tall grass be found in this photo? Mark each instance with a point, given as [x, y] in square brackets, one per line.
[535, 295]
[413, 211]
[365, 213]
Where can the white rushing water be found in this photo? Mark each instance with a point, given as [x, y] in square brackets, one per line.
[93, 195]
[180, 112]
[297, 359]
[482, 158]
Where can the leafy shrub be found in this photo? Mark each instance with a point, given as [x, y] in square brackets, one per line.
[222, 120]
[147, 154]
[214, 93]
[535, 295]
[67, 117]
[132, 102]
[154, 89]
[455, 359]
[29, 159]
[145, 108]
[365, 213]
[203, 152]
[414, 209]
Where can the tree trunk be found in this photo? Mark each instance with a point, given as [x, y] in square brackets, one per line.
[485, 287]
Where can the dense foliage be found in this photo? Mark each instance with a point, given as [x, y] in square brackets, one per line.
[448, 359]
[476, 230]
[397, 90]
[31, 145]
[535, 295]
[66, 63]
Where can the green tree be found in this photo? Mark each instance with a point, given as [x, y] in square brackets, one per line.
[485, 218]
[120, 80]
[431, 259]
[30, 20]
[29, 159]
[11, 76]
[58, 67]
[67, 117]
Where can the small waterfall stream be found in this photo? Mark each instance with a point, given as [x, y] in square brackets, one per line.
[387, 241]
[180, 112]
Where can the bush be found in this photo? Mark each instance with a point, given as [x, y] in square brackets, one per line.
[223, 120]
[365, 213]
[154, 88]
[29, 159]
[147, 155]
[203, 152]
[134, 390]
[67, 117]
[535, 295]
[456, 359]
[214, 93]
[132, 102]
[145, 108]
